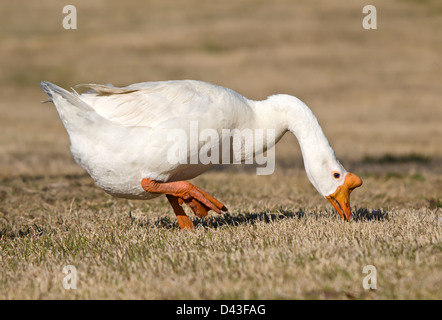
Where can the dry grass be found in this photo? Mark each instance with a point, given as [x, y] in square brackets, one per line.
[376, 93]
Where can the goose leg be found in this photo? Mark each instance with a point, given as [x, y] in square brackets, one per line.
[180, 192]
[183, 220]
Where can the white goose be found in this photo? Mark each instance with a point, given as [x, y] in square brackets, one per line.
[119, 136]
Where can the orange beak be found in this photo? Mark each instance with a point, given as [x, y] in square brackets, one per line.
[340, 199]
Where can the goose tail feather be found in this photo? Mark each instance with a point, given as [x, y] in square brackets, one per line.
[54, 92]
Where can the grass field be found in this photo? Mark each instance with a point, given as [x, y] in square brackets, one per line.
[376, 93]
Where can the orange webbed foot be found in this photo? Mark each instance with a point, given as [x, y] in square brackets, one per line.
[179, 192]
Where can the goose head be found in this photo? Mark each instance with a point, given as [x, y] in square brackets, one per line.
[331, 179]
[340, 198]
[334, 183]
[323, 169]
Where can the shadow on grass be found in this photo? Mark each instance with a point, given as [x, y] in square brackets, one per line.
[30, 231]
[228, 219]
[214, 222]
[363, 214]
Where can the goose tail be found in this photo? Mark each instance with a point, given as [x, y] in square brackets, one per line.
[56, 93]
[77, 116]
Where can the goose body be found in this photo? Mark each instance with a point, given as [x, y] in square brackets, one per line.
[121, 137]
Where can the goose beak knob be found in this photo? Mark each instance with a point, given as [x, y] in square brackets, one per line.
[340, 199]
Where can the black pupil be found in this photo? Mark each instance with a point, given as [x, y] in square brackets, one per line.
[336, 175]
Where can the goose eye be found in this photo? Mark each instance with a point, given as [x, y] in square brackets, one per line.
[336, 175]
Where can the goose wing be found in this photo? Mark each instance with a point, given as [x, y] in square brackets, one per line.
[151, 104]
